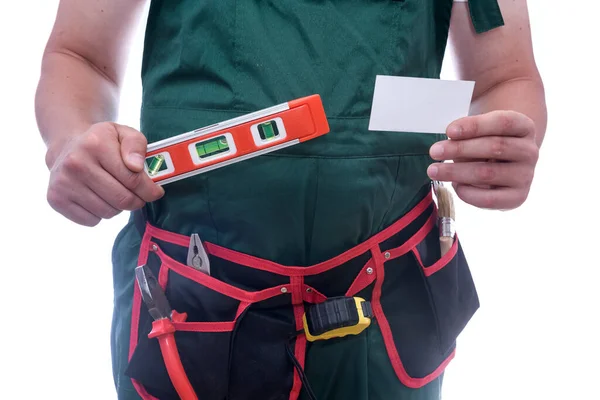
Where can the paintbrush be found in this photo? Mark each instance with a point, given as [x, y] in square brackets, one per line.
[446, 216]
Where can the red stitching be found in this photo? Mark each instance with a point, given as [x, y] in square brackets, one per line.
[386, 331]
[362, 280]
[204, 326]
[270, 266]
[215, 284]
[439, 264]
[312, 295]
[297, 284]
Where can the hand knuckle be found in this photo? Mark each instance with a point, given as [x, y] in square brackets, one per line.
[499, 146]
[473, 126]
[507, 121]
[446, 172]
[490, 200]
[125, 201]
[92, 142]
[73, 162]
[533, 153]
[459, 148]
[138, 203]
[105, 127]
[133, 180]
[55, 198]
[485, 173]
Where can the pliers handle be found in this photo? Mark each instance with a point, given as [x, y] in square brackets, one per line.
[164, 330]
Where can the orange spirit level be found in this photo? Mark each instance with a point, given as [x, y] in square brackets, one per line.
[236, 140]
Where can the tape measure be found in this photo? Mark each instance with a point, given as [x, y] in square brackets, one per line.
[235, 140]
[337, 317]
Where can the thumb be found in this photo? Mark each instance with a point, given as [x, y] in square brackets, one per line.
[133, 148]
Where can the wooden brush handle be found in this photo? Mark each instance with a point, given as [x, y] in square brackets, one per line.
[446, 243]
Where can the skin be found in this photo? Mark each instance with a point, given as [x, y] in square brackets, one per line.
[494, 150]
[96, 165]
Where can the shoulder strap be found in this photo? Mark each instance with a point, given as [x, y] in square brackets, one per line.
[485, 15]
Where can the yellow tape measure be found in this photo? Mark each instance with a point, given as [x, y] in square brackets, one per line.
[337, 317]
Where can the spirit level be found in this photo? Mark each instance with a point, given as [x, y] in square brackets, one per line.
[235, 140]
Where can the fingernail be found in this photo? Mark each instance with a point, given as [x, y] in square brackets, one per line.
[437, 150]
[432, 171]
[136, 160]
[455, 131]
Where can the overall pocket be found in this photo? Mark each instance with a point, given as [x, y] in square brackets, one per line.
[422, 302]
[219, 342]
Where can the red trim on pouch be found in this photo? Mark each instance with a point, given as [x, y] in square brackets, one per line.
[386, 331]
[372, 271]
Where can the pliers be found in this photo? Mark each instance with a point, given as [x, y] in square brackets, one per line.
[163, 329]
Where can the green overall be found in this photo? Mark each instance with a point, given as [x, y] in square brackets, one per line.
[208, 61]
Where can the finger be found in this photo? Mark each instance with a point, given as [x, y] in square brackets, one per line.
[78, 174]
[493, 199]
[80, 215]
[503, 148]
[139, 183]
[495, 123]
[480, 174]
[93, 203]
[114, 193]
[133, 147]
[71, 210]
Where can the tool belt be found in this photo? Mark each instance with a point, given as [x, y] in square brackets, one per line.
[246, 318]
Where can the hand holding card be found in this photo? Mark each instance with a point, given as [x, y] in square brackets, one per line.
[494, 156]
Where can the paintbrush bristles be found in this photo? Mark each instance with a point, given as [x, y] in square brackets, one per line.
[445, 203]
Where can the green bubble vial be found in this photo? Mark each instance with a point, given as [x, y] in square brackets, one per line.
[268, 130]
[155, 164]
[212, 147]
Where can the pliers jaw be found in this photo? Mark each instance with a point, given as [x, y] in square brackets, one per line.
[152, 294]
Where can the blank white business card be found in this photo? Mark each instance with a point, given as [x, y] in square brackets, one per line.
[422, 105]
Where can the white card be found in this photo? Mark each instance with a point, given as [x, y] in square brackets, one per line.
[402, 104]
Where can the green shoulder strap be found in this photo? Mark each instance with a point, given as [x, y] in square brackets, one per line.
[485, 14]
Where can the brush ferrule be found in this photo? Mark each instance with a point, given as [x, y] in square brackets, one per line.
[446, 226]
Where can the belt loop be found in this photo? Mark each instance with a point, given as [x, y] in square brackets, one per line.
[297, 286]
[376, 254]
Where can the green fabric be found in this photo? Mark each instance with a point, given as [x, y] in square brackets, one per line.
[485, 15]
[358, 367]
[209, 61]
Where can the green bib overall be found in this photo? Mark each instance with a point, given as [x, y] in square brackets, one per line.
[208, 61]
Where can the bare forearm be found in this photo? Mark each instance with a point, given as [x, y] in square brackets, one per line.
[72, 95]
[523, 95]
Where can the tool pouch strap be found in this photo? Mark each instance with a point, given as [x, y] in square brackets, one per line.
[242, 316]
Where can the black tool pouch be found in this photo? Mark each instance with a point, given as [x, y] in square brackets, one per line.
[232, 344]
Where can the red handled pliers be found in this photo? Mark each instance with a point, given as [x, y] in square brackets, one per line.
[163, 329]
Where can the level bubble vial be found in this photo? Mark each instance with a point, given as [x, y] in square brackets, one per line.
[268, 130]
[212, 147]
[156, 164]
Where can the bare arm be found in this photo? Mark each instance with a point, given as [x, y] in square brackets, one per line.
[83, 67]
[501, 62]
[495, 150]
[96, 166]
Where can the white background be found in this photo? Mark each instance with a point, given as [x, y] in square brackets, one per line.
[535, 337]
